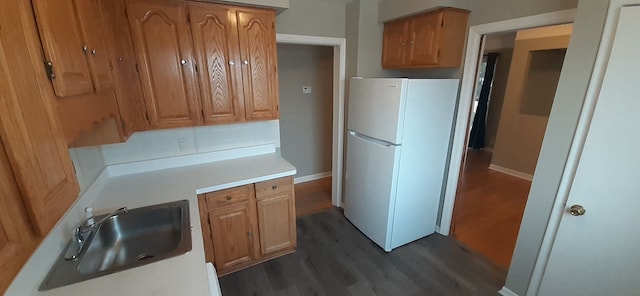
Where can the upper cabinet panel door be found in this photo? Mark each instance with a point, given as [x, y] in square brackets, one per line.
[63, 46]
[395, 43]
[425, 39]
[29, 123]
[163, 47]
[215, 40]
[256, 32]
[93, 32]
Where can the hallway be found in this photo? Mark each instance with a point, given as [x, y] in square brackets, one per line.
[489, 208]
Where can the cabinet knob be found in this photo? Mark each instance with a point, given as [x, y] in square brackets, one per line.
[228, 197]
[245, 62]
[274, 187]
[93, 52]
[183, 62]
[403, 43]
[85, 49]
[250, 234]
[411, 42]
[232, 63]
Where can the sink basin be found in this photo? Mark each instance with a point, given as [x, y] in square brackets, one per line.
[138, 237]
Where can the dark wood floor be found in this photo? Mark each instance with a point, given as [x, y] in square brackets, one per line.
[489, 208]
[334, 258]
[313, 196]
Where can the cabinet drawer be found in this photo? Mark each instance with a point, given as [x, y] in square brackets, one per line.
[229, 196]
[273, 187]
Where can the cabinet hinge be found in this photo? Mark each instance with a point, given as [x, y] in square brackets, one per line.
[126, 13]
[442, 24]
[137, 68]
[48, 67]
[196, 67]
[123, 124]
[202, 112]
[188, 17]
[438, 53]
[146, 115]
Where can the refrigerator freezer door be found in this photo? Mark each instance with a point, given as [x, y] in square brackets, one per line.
[376, 107]
[371, 181]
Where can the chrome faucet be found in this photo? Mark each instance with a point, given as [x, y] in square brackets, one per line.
[82, 233]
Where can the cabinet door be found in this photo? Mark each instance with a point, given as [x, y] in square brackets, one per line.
[256, 32]
[163, 47]
[394, 44]
[425, 39]
[215, 41]
[17, 239]
[63, 46]
[94, 36]
[126, 80]
[277, 222]
[234, 236]
[30, 131]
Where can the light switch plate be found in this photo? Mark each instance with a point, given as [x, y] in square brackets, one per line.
[306, 89]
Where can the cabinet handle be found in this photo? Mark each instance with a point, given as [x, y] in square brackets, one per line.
[183, 62]
[274, 187]
[228, 197]
[232, 63]
[245, 62]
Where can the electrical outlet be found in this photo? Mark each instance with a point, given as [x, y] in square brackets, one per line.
[306, 89]
[182, 142]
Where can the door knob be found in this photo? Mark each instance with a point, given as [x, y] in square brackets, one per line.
[577, 210]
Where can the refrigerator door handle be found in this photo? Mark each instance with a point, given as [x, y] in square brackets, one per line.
[372, 140]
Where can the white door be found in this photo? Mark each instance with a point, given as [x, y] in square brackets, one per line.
[598, 253]
[370, 187]
[376, 107]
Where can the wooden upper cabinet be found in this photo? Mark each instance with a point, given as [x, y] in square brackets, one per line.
[256, 33]
[215, 40]
[394, 43]
[30, 131]
[126, 80]
[64, 46]
[430, 40]
[425, 34]
[94, 35]
[162, 40]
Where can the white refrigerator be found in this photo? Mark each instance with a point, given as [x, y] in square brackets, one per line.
[398, 138]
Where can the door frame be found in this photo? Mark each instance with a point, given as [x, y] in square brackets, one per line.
[593, 91]
[339, 73]
[469, 75]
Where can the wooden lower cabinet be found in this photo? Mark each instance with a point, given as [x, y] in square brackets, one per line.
[246, 225]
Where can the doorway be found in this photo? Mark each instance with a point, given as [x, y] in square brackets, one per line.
[510, 114]
[338, 46]
[305, 86]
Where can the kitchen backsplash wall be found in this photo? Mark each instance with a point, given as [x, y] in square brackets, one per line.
[192, 140]
[91, 161]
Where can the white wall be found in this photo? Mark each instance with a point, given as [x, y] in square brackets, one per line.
[313, 17]
[89, 163]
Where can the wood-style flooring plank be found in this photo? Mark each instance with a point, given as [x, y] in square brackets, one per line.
[489, 208]
[313, 196]
[334, 258]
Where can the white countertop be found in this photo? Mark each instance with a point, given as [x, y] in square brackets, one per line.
[184, 274]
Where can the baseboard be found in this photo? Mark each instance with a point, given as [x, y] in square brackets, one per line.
[506, 292]
[511, 172]
[311, 177]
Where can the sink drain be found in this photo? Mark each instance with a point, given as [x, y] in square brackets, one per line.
[144, 256]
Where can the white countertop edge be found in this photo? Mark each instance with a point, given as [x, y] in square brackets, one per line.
[186, 160]
[245, 182]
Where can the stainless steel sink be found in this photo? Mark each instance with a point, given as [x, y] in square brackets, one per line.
[138, 237]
